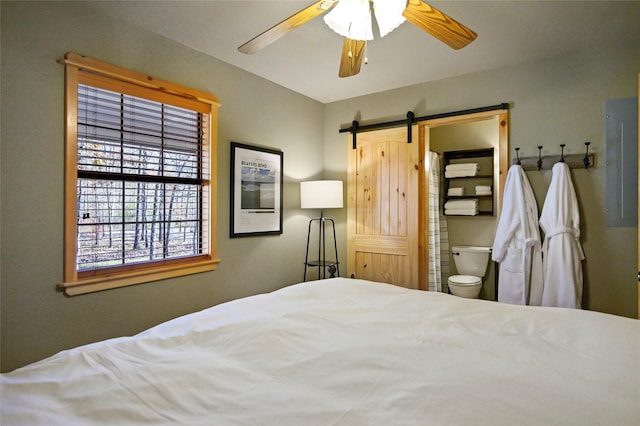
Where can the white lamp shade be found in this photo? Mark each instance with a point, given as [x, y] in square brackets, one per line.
[351, 19]
[389, 15]
[321, 194]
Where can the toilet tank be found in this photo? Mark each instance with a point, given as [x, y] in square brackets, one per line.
[471, 260]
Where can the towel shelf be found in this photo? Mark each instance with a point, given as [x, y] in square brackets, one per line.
[462, 197]
[484, 176]
[471, 177]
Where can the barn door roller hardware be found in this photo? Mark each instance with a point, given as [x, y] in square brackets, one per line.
[411, 119]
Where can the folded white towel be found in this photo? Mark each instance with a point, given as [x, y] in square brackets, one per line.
[471, 203]
[460, 173]
[455, 192]
[462, 166]
[460, 212]
[485, 188]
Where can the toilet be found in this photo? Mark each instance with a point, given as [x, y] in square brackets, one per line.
[471, 263]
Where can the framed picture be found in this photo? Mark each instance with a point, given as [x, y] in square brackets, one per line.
[256, 191]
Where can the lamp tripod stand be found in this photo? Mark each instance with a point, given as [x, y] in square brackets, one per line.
[324, 265]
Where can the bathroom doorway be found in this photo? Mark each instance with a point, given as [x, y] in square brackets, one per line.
[487, 130]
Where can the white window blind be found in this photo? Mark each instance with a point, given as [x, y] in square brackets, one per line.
[139, 186]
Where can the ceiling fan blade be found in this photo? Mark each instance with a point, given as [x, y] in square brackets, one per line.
[291, 23]
[439, 25]
[351, 60]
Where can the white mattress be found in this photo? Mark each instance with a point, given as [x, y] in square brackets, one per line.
[345, 352]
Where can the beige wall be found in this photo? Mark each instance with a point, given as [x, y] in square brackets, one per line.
[36, 320]
[555, 101]
[558, 100]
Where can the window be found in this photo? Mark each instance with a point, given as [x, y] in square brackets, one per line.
[139, 195]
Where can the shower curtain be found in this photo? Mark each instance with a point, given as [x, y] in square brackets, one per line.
[438, 234]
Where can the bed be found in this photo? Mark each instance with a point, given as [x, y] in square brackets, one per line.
[345, 352]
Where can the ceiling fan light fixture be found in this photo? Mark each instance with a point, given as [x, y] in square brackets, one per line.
[351, 19]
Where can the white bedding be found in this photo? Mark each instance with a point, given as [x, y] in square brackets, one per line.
[345, 352]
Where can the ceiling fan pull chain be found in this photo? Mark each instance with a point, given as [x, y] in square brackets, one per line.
[350, 43]
[366, 59]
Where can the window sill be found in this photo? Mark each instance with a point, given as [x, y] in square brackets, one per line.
[140, 276]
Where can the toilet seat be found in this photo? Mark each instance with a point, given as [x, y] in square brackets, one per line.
[465, 280]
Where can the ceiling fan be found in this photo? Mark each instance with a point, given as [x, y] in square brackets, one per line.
[352, 20]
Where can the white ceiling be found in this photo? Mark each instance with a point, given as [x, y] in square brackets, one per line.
[306, 60]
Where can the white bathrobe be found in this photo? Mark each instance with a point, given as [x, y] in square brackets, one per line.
[563, 255]
[517, 244]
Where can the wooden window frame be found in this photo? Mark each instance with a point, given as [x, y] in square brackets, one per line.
[83, 70]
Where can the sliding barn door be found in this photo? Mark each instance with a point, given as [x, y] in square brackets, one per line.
[382, 208]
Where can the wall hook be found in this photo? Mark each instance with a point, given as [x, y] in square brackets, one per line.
[518, 162]
[539, 163]
[585, 160]
[562, 152]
